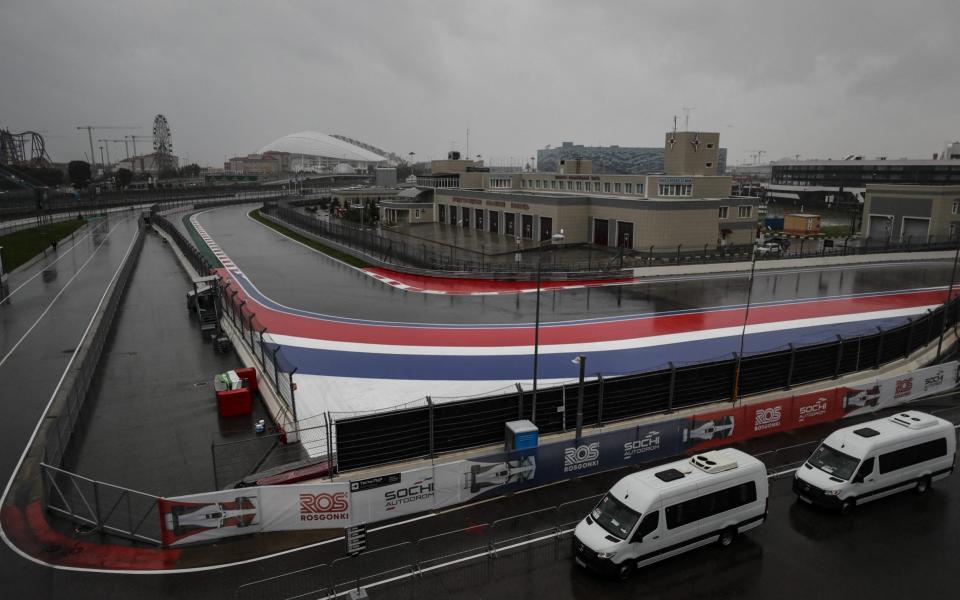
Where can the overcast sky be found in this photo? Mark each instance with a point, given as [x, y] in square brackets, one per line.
[814, 78]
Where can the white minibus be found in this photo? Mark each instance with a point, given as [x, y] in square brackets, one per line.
[865, 462]
[664, 511]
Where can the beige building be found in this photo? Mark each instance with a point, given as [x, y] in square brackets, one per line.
[689, 205]
[915, 213]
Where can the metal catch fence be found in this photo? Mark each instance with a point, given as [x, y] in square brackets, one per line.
[102, 506]
[399, 569]
[427, 429]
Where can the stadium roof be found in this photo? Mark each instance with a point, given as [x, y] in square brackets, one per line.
[313, 143]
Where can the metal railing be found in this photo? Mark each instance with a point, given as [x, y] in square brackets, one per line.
[409, 563]
[396, 249]
[102, 506]
[426, 429]
[66, 410]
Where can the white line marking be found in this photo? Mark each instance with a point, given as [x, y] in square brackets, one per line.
[61, 257]
[55, 298]
[56, 390]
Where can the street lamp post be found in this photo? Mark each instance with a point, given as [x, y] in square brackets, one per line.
[536, 349]
[582, 361]
[743, 331]
[946, 305]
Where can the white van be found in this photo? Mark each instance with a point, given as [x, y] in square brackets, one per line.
[667, 510]
[865, 462]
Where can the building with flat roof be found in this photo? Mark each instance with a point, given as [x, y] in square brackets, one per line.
[914, 213]
[688, 204]
[623, 160]
[827, 182]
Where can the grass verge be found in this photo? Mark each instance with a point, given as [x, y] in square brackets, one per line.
[21, 246]
[337, 254]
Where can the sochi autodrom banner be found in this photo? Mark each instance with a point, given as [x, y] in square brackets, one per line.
[209, 516]
[500, 473]
[305, 506]
[387, 496]
[886, 392]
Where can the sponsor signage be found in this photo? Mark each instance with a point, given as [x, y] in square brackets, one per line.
[397, 494]
[768, 417]
[305, 506]
[674, 180]
[324, 506]
[578, 458]
[818, 407]
[500, 203]
[467, 200]
[520, 205]
[579, 177]
[374, 482]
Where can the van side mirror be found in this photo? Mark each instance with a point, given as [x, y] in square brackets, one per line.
[858, 478]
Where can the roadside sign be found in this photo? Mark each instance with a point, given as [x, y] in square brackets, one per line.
[356, 538]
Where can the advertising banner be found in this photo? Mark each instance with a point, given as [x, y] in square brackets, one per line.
[209, 516]
[714, 428]
[491, 475]
[917, 384]
[304, 506]
[816, 407]
[768, 417]
[860, 399]
[388, 496]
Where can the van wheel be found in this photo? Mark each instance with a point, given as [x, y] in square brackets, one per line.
[627, 569]
[847, 507]
[923, 485]
[727, 536]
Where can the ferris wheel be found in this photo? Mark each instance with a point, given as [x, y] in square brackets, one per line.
[162, 140]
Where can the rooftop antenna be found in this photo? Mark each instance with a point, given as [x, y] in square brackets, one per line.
[686, 118]
[467, 153]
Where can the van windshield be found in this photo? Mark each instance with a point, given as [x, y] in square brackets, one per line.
[615, 517]
[833, 462]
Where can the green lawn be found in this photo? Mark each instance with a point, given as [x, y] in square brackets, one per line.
[343, 256]
[21, 246]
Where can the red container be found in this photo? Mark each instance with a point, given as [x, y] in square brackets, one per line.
[232, 403]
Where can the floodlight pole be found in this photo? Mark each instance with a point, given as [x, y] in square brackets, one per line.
[743, 331]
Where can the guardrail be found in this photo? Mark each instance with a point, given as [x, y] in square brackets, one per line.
[399, 250]
[426, 429]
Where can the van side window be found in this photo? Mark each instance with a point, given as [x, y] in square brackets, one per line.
[865, 469]
[911, 455]
[648, 525]
[711, 504]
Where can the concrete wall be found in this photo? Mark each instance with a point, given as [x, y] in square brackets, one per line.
[935, 203]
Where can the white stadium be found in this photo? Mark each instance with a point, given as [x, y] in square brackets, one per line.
[321, 153]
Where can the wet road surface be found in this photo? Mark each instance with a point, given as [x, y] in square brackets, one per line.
[299, 277]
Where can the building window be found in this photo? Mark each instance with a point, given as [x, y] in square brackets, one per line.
[744, 212]
[553, 184]
[596, 186]
[416, 213]
[616, 187]
[676, 190]
[956, 207]
[709, 164]
[640, 188]
[709, 146]
[606, 186]
[724, 211]
[953, 230]
[628, 188]
[569, 186]
[579, 186]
